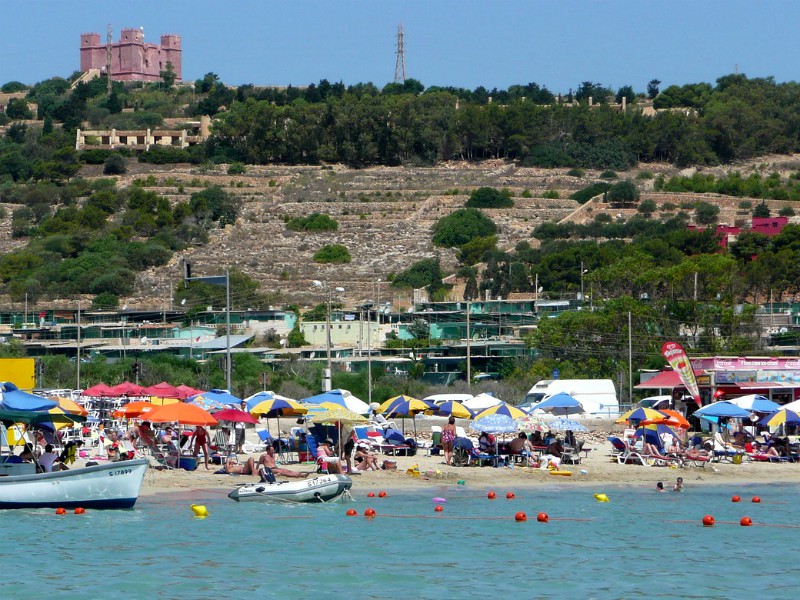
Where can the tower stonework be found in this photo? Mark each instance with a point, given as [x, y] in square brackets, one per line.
[132, 59]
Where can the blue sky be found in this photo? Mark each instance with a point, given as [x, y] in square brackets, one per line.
[464, 43]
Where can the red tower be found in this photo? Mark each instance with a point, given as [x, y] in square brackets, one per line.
[131, 58]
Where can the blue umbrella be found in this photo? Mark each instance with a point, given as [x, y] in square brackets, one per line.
[255, 399]
[755, 403]
[496, 423]
[563, 424]
[722, 409]
[454, 408]
[560, 404]
[342, 398]
[213, 400]
[15, 399]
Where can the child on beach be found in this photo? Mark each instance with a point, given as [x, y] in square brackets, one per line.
[660, 486]
[678, 485]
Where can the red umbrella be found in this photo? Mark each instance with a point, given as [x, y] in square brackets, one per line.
[101, 389]
[186, 391]
[126, 388]
[235, 415]
[163, 390]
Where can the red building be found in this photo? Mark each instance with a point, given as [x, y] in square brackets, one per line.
[131, 58]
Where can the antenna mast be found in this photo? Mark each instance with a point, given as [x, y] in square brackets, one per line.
[109, 40]
[400, 65]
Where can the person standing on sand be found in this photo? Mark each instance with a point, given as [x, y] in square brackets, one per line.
[448, 437]
[200, 442]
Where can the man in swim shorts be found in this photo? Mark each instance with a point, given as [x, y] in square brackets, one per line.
[267, 460]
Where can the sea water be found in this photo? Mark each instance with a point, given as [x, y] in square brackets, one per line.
[640, 544]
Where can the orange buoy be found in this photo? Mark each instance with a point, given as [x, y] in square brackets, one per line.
[756, 499]
[80, 511]
[491, 495]
[61, 511]
[370, 494]
[736, 499]
[708, 521]
[381, 494]
[520, 516]
[351, 512]
[746, 522]
[510, 496]
[543, 517]
[438, 508]
[370, 512]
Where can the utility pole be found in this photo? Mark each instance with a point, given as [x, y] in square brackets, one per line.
[78, 349]
[630, 361]
[400, 63]
[369, 360]
[469, 353]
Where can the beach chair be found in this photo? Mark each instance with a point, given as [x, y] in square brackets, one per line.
[264, 440]
[572, 455]
[435, 446]
[617, 446]
[313, 447]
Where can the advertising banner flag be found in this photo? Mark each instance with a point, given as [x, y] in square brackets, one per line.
[676, 357]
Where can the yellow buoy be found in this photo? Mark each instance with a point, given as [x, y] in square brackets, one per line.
[601, 498]
[199, 510]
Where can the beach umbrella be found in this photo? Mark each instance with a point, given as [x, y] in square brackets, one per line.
[560, 404]
[259, 397]
[653, 433]
[164, 390]
[782, 416]
[187, 391]
[276, 407]
[183, 413]
[640, 414]
[134, 410]
[755, 403]
[405, 406]
[214, 400]
[563, 424]
[502, 409]
[234, 415]
[126, 388]
[675, 419]
[496, 423]
[338, 416]
[531, 423]
[101, 390]
[156, 401]
[722, 409]
[70, 406]
[452, 408]
[342, 398]
[14, 398]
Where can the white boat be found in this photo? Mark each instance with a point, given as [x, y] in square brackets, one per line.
[320, 489]
[110, 485]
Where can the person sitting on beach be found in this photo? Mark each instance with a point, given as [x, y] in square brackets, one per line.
[234, 468]
[326, 455]
[521, 445]
[377, 418]
[267, 461]
[167, 436]
[569, 438]
[145, 434]
[552, 456]
[366, 460]
[486, 443]
[537, 439]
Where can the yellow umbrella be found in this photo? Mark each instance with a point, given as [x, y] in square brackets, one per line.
[156, 401]
[504, 409]
[338, 415]
[280, 407]
[70, 406]
[642, 414]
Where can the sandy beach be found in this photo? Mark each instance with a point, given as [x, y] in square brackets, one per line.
[597, 470]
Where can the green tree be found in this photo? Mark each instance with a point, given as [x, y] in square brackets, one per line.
[652, 88]
[17, 108]
[488, 197]
[333, 253]
[761, 210]
[705, 213]
[168, 75]
[647, 207]
[461, 226]
[627, 93]
[114, 165]
[623, 193]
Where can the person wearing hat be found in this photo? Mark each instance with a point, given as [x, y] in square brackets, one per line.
[326, 455]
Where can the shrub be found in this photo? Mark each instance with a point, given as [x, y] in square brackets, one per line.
[552, 194]
[526, 193]
[459, 227]
[114, 165]
[705, 213]
[313, 222]
[786, 211]
[587, 193]
[95, 156]
[745, 205]
[576, 172]
[236, 168]
[333, 253]
[164, 155]
[644, 175]
[647, 207]
[488, 197]
[608, 175]
[623, 193]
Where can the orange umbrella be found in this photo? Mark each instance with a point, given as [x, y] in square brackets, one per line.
[180, 412]
[676, 419]
[133, 410]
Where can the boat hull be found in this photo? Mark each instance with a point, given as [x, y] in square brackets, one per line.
[109, 486]
[319, 489]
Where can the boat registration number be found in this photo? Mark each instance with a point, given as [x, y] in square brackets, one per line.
[315, 482]
[120, 472]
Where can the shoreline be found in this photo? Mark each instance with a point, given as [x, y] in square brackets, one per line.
[600, 472]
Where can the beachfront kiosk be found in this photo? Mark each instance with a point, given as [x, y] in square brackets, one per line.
[722, 377]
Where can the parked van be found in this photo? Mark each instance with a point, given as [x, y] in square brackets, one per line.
[656, 402]
[597, 396]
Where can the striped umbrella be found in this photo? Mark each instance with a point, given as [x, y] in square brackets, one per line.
[784, 416]
[452, 408]
[405, 406]
[563, 424]
[502, 409]
[640, 414]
